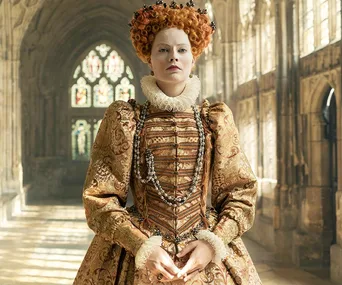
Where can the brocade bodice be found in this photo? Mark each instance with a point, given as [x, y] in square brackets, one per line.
[173, 138]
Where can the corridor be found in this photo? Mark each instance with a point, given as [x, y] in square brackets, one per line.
[45, 245]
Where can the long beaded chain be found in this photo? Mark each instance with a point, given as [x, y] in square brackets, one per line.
[151, 173]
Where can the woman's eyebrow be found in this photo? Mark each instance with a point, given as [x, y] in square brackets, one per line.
[169, 45]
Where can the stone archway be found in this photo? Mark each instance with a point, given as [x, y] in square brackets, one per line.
[329, 115]
[316, 228]
[57, 36]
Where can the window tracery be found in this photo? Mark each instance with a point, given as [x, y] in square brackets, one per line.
[100, 78]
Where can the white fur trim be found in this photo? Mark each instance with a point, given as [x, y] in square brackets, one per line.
[178, 104]
[216, 242]
[145, 251]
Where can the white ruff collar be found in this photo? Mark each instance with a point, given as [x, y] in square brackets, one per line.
[177, 104]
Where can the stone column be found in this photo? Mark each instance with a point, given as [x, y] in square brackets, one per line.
[2, 97]
[284, 214]
[7, 89]
[336, 249]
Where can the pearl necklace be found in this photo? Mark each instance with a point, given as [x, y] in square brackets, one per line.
[151, 173]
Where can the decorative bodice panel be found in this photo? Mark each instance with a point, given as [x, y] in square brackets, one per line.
[173, 138]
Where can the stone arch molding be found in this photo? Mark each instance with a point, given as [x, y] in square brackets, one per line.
[23, 12]
[320, 85]
[53, 40]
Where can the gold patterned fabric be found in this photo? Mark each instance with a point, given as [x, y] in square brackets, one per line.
[172, 137]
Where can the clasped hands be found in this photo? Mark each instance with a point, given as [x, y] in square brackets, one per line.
[159, 262]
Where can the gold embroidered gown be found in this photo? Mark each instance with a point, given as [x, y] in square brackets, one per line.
[226, 181]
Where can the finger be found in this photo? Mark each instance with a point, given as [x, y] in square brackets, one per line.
[163, 271]
[192, 275]
[189, 267]
[171, 267]
[187, 249]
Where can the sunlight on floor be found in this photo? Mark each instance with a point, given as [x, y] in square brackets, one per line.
[46, 245]
[43, 245]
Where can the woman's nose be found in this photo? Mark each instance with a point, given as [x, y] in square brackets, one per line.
[173, 56]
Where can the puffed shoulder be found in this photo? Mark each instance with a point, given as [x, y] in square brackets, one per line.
[119, 106]
[121, 112]
[118, 116]
[218, 115]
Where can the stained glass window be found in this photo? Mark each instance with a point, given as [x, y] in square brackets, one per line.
[124, 90]
[99, 78]
[81, 94]
[80, 140]
[129, 72]
[92, 66]
[103, 93]
[324, 17]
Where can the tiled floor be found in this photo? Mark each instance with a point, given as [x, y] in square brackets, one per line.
[45, 245]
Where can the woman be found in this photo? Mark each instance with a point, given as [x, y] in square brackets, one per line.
[170, 152]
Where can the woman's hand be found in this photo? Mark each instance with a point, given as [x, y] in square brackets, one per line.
[201, 255]
[159, 262]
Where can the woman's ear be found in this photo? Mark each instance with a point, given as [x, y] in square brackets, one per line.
[193, 63]
[149, 63]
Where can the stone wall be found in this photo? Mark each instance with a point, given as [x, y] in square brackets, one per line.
[275, 116]
[14, 19]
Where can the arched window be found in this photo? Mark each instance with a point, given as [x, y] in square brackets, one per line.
[268, 41]
[247, 46]
[307, 26]
[324, 21]
[329, 114]
[100, 78]
[242, 55]
[250, 67]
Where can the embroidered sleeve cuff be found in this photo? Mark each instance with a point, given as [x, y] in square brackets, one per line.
[145, 250]
[227, 229]
[216, 242]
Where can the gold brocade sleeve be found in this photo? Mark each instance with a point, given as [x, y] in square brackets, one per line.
[106, 185]
[234, 186]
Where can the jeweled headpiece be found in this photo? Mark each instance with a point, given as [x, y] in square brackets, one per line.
[149, 20]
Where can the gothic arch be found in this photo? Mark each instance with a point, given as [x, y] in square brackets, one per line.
[318, 198]
[46, 66]
[319, 88]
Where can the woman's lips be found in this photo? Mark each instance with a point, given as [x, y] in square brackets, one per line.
[173, 68]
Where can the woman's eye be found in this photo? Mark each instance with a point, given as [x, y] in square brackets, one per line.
[162, 50]
[182, 50]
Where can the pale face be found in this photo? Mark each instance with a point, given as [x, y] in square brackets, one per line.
[171, 43]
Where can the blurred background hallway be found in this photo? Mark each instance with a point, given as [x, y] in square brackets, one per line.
[276, 63]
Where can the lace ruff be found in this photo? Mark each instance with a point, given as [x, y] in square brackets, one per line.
[177, 104]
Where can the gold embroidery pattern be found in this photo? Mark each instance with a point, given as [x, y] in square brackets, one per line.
[119, 234]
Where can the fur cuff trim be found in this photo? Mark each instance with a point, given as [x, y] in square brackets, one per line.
[145, 251]
[216, 242]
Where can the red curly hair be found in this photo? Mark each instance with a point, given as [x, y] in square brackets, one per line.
[147, 22]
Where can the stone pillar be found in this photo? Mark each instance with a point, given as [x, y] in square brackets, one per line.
[284, 208]
[2, 98]
[12, 28]
[10, 125]
[336, 249]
